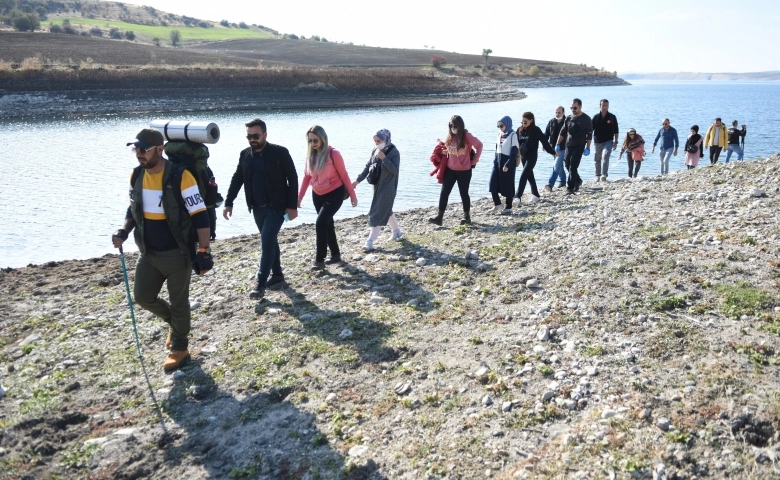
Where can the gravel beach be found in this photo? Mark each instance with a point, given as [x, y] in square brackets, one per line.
[629, 331]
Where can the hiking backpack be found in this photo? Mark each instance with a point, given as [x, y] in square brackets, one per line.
[194, 157]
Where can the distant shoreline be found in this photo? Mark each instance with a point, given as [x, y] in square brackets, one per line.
[56, 102]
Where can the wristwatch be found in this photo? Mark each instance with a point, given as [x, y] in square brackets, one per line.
[205, 250]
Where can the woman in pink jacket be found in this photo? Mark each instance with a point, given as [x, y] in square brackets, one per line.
[454, 161]
[325, 172]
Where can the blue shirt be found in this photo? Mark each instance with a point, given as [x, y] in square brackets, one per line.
[669, 138]
[259, 187]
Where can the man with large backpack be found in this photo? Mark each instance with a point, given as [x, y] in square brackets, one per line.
[165, 208]
[270, 181]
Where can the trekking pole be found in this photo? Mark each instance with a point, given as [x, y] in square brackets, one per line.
[130, 302]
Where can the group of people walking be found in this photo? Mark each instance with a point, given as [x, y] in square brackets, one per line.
[162, 218]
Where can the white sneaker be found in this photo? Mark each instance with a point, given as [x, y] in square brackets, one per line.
[535, 199]
[397, 235]
[369, 245]
[516, 202]
[496, 208]
[603, 178]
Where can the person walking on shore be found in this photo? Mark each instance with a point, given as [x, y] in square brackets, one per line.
[605, 138]
[552, 132]
[267, 173]
[693, 150]
[161, 224]
[669, 144]
[715, 140]
[529, 136]
[327, 175]
[502, 178]
[453, 160]
[386, 160]
[634, 148]
[575, 136]
[736, 137]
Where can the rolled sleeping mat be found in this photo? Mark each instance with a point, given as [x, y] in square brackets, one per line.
[200, 132]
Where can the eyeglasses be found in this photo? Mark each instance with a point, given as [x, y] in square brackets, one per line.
[574, 108]
[141, 150]
[665, 124]
[526, 122]
[253, 136]
[451, 125]
[500, 126]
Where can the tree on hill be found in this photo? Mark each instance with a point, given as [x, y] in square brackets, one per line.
[486, 53]
[26, 22]
[175, 37]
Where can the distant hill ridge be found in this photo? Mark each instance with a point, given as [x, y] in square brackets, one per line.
[754, 76]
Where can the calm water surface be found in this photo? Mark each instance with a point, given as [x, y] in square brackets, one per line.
[65, 188]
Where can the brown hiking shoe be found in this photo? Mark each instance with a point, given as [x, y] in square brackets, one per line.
[168, 340]
[176, 359]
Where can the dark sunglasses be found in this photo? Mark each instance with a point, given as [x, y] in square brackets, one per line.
[451, 125]
[253, 136]
[500, 126]
[575, 108]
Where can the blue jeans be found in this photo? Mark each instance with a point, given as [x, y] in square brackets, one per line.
[558, 170]
[666, 154]
[734, 148]
[602, 151]
[269, 221]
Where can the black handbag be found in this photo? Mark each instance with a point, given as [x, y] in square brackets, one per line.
[691, 148]
[373, 173]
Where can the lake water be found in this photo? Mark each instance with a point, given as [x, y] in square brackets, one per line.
[65, 188]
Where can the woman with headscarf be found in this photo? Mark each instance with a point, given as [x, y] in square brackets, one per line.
[453, 160]
[325, 172]
[693, 150]
[502, 178]
[386, 159]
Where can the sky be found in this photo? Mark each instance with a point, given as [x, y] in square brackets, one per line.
[711, 36]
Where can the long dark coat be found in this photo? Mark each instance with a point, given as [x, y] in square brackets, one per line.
[386, 188]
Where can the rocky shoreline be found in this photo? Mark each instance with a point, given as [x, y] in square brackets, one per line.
[629, 331]
[25, 103]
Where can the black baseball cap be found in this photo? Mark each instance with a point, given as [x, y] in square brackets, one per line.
[147, 138]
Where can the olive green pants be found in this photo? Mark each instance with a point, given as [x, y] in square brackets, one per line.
[154, 269]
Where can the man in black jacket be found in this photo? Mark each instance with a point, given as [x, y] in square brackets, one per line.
[734, 135]
[605, 138]
[270, 181]
[553, 130]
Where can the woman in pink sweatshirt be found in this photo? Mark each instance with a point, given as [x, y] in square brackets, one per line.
[456, 159]
[325, 172]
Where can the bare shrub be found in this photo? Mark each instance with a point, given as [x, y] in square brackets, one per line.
[5, 66]
[533, 71]
[438, 60]
[31, 63]
[96, 32]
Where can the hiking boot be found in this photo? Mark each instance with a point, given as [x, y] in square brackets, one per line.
[275, 280]
[334, 259]
[176, 358]
[258, 291]
[466, 219]
[547, 188]
[168, 340]
[437, 220]
[397, 235]
[318, 265]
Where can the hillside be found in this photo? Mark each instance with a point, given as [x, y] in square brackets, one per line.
[629, 331]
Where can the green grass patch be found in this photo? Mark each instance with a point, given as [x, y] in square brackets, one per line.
[164, 33]
[771, 326]
[758, 355]
[743, 299]
[546, 370]
[592, 350]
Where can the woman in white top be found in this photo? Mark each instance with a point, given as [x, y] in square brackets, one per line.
[502, 179]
